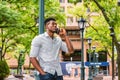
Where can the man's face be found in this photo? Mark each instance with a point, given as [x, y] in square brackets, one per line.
[51, 26]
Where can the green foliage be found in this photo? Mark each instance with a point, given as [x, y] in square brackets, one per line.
[89, 51]
[8, 17]
[74, 1]
[18, 22]
[99, 32]
[98, 26]
[17, 26]
[52, 9]
[78, 10]
[4, 69]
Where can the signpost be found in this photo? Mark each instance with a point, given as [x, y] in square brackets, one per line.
[97, 64]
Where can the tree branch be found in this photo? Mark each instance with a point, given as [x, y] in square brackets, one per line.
[103, 12]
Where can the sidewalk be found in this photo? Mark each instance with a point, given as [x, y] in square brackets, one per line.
[109, 78]
[86, 78]
[28, 77]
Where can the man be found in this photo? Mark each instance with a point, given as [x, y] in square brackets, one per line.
[44, 54]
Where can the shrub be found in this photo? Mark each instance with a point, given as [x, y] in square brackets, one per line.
[4, 69]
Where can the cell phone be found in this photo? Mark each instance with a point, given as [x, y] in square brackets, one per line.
[57, 30]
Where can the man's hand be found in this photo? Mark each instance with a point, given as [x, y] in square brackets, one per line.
[43, 73]
[62, 32]
[35, 63]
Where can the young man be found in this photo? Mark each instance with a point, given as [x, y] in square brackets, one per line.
[44, 54]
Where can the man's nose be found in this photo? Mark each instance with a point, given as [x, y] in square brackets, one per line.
[55, 26]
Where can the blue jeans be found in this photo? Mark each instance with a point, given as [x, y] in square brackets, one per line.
[49, 76]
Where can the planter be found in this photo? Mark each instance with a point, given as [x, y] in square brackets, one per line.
[19, 76]
[1, 78]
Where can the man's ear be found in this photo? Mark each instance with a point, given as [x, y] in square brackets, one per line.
[46, 27]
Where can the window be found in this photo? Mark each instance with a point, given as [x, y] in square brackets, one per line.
[62, 1]
[77, 32]
[73, 32]
[69, 7]
[70, 20]
[69, 32]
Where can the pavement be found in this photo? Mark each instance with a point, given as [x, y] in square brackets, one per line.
[26, 77]
[86, 78]
[66, 77]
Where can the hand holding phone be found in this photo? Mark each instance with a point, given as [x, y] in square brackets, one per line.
[62, 32]
[57, 30]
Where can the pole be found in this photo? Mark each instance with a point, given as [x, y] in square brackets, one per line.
[19, 69]
[113, 58]
[20, 63]
[94, 66]
[41, 17]
[41, 26]
[90, 69]
[97, 66]
[82, 56]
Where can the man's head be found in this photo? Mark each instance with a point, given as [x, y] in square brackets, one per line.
[50, 24]
[48, 20]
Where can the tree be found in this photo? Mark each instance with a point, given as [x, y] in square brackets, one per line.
[108, 16]
[52, 8]
[14, 26]
[18, 22]
[111, 13]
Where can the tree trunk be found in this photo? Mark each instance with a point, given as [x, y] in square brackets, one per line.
[118, 57]
[118, 71]
[118, 60]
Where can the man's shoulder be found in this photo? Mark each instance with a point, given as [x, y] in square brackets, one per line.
[39, 36]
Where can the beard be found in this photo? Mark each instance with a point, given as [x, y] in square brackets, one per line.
[52, 31]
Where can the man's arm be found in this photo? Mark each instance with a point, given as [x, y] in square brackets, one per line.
[67, 40]
[69, 44]
[35, 63]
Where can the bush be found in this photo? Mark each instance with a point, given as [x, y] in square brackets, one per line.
[4, 69]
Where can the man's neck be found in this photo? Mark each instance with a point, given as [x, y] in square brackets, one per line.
[51, 34]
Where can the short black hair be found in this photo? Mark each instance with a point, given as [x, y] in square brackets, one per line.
[49, 19]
